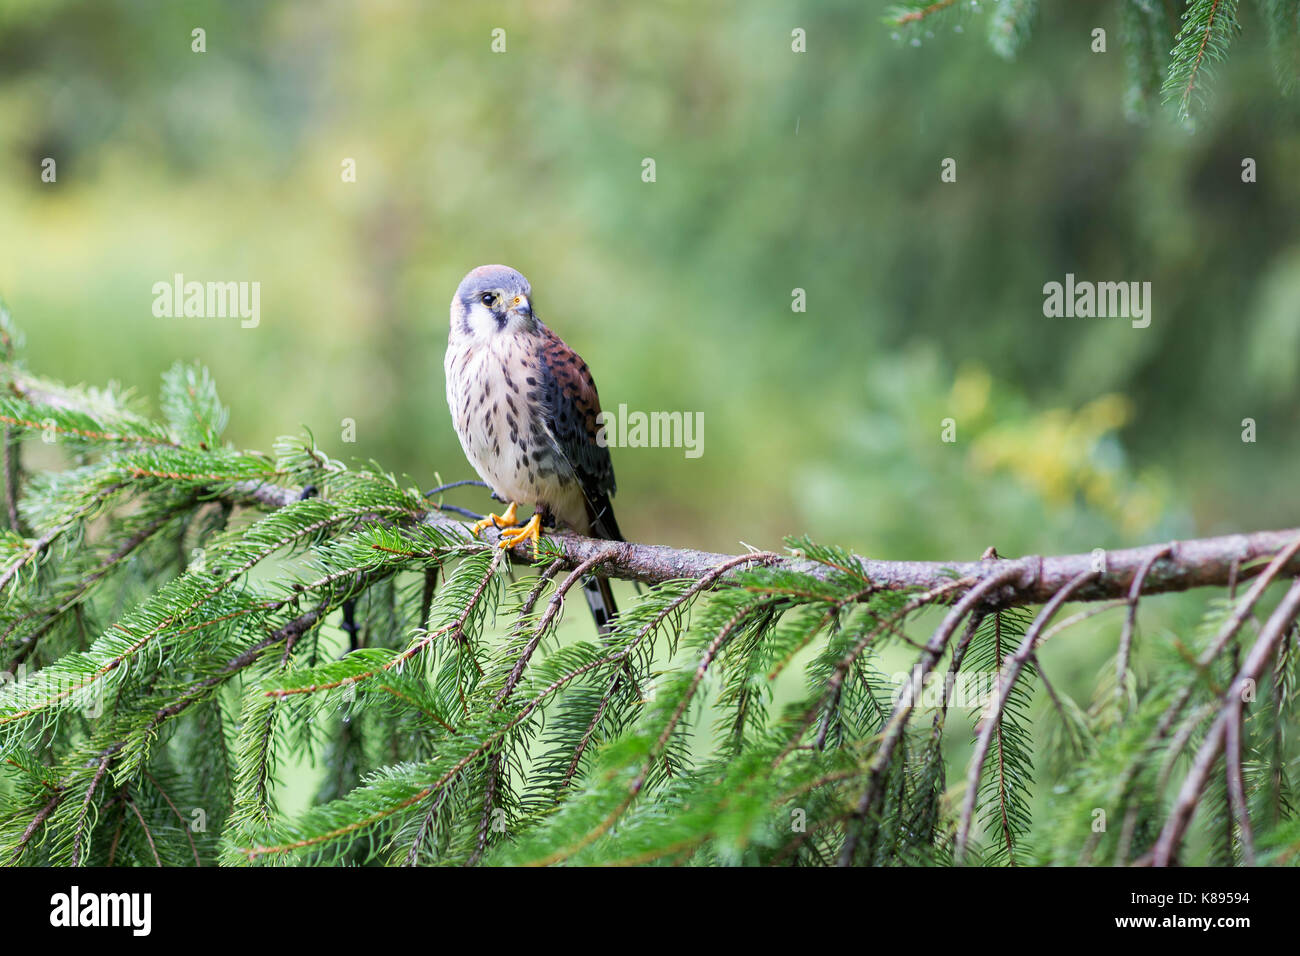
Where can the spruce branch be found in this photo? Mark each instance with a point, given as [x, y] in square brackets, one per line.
[1282, 20]
[436, 729]
[1189, 796]
[660, 745]
[904, 14]
[1157, 569]
[1006, 681]
[1130, 621]
[1236, 785]
[1208, 27]
[1275, 569]
[898, 718]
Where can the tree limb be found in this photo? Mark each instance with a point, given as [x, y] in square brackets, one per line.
[1154, 569]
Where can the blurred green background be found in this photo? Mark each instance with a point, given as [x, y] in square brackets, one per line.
[775, 171]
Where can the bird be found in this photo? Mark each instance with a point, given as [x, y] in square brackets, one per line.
[525, 408]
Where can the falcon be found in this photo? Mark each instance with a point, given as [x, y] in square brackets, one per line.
[525, 408]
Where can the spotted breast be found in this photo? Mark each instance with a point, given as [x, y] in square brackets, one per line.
[497, 391]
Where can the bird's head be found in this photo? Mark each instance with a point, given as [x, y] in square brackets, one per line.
[492, 300]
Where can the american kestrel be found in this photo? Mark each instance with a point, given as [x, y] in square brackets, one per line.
[524, 406]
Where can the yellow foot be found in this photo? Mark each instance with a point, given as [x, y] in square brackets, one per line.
[507, 520]
[529, 532]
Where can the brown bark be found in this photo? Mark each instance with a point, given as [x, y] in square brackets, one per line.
[1164, 567]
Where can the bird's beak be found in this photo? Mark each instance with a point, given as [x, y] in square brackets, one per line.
[522, 306]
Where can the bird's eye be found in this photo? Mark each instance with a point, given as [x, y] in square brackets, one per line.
[489, 298]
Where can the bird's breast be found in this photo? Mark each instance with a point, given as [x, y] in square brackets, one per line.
[494, 392]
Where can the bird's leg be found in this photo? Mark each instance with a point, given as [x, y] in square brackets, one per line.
[529, 532]
[507, 520]
[541, 520]
[511, 531]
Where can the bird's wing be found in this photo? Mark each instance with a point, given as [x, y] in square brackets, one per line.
[571, 406]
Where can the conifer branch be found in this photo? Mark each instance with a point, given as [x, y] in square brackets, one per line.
[38, 547]
[902, 16]
[1006, 680]
[898, 718]
[582, 749]
[1189, 796]
[1155, 569]
[37, 822]
[1130, 621]
[12, 468]
[1236, 785]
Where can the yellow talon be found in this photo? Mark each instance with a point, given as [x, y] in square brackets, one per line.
[507, 520]
[529, 532]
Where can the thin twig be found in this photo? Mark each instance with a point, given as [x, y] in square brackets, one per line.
[1189, 796]
[1007, 678]
[1228, 630]
[516, 673]
[1236, 785]
[41, 816]
[85, 807]
[12, 467]
[148, 834]
[897, 723]
[1130, 621]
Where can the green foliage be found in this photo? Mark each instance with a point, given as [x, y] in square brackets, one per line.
[1007, 774]
[1144, 33]
[1208, 27]
[1282, 20]
[1178, 68]
[167, 611]
[903, 299]
[1009, 26]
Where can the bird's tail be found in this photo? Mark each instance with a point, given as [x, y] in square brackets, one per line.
[600, 598]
